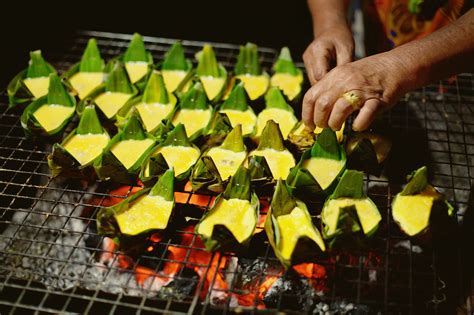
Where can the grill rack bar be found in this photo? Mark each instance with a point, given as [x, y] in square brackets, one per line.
[445, 118]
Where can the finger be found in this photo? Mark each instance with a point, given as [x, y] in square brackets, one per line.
[322, 109]
[366, 115]
[341, 110]
[308, 106]
[321, 63]
[309, 67]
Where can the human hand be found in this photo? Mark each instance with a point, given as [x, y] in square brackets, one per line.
[333, 45]
[376, 83]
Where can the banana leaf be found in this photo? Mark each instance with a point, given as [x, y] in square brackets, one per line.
[154, 164]
[307, 247]
[286, 76]
[235, 105]
[17, 90]
[209, 69]
[109, 168]
[117, 82]
[57, 95]
[137, 53]
[176, 64]
[303, 177]
[349, 218]
[249, 71]
[154, 93]
[194, 102]
[271, 146]
[277, 109]
[223, 219]
[434, 221]
[301, 137]
[61, 161]
[91, 64]
[216, 131]
[368, 152]
[136, 230]
[205, 174]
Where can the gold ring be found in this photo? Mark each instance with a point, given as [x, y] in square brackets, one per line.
[353, 99]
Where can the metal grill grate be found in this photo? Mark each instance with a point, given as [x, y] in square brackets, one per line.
[50, 255]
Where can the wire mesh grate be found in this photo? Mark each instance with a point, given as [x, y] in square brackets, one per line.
[52, 260]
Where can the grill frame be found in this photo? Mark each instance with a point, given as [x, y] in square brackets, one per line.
[445, 123]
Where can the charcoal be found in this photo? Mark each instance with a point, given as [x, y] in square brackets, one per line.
[182, 286]
[290, 292]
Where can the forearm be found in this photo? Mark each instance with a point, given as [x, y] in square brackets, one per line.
[447, 51]
[327, 14]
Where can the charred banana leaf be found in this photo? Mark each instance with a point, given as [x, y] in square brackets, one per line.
[176, 151]
[286, 76]
[249, 71]
[349, 218]
[216, 131]
[278, 110]
[49, 115]
[212, 75]
[31, 83]
[368, 152]
[75, 155]
[290, 229]
[319, 168]
[121, 159]
[230, 223]
[237, 108]
[150, 210]
[301, 137]
[89, 73]
[421, 211]
[112, 95]
[218, 164]
[153, 106]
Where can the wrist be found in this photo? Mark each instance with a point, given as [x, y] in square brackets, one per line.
[330, 24]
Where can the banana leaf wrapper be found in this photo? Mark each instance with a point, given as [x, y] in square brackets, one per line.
[368, 152]
[106, 217]
[60, 161]
[156, 163]
[175, 60]
[222, 238]
[209, 67]
[441, 224]
[57, 95]
[91, 62]
[301, 138]
[154, 92]
[117, 81]
[136, 52]
[249, 70]
[109, 168]
[301, 179]
[215, 133]
[205, 175]
[18, 92]
[285, 66]
[283, 203]
[349, 232]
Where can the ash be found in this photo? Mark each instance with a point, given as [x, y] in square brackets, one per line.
[47, 244]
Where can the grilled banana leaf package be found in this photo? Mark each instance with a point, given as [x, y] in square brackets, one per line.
[89, 73]
[367, 151]
[176, 151]
[319, 168]
[290, 229]
[211, 74]
[349, 218]
[287, 77]
[177, 71]
[48, 115]
[218, 164]
[231, 221]
[31, 83]
[148, 211]
[121, 159]
[75, 155]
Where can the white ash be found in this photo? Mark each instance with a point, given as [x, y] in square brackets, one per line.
[409, 246]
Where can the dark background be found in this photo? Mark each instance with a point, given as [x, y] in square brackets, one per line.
[47, 26]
